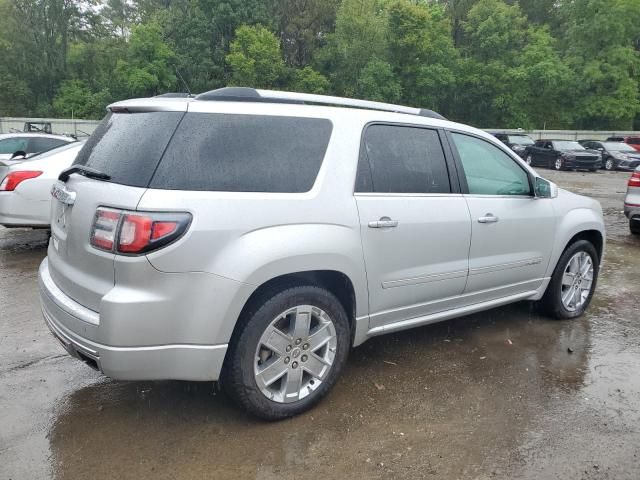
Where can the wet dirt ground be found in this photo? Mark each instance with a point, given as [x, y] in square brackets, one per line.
[502, 394]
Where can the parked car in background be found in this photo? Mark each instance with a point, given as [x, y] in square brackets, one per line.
[561, 155]
[615, 155]
[518, 142]
[632, 202]
[40, 127]
[28, 144]
[25, 187]
[633, 141]
[255, 236]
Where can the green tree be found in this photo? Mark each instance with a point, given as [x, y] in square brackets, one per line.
[377, 81]
[307, 80]
[360, 36]
[148, 66]
[255, 58]
[422, 53]
[601, 46]
[75, 99]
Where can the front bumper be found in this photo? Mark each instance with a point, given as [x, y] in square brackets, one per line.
[582, 164]
[71, 323]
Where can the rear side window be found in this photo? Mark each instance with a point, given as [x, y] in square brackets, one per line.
[37, 144]
[244, 153]
[12, 145]
[128, 146]
[402, 159]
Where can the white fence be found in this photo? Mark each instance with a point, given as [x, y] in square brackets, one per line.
[86, 127]
[60, 126]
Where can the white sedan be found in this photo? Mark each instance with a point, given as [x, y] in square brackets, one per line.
[25, 187]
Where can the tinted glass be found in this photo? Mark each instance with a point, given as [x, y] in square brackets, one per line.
[12, 145]
[562, 145]
[520, 140]
[618, 147]
[489, 170]
[128, 146]
[43, 144]
[404, 160]
[244, 153]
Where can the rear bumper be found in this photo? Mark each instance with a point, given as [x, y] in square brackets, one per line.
[18, 211]
[632, 211]
[71, 324]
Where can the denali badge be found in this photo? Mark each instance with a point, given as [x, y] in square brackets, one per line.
[60, 193]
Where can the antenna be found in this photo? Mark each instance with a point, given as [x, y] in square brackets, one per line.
[186, 87]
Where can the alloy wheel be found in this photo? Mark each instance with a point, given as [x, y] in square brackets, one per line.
[609, 164]
[295, 353]
[577, 281]
[558, 164]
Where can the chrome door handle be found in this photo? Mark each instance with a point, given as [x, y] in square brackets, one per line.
[488, 218]
[384, 222]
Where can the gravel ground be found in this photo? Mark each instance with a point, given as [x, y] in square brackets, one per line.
[492, 395]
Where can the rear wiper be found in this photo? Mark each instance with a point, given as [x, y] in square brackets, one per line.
[83, 170]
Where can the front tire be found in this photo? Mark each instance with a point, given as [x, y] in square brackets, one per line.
[634, 226]
[289, 352]
[609, 164]
[573, 281]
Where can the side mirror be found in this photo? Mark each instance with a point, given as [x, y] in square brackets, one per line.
[544, 188]
[19, 155]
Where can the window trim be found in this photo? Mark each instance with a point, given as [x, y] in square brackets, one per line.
[452, 170]
[462, 177]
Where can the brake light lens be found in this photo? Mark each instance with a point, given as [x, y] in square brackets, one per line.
[136, 233]
[11, 181]
[634, 181]
[105, 226]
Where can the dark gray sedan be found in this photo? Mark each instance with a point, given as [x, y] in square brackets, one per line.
[562, 155]
[615, 155]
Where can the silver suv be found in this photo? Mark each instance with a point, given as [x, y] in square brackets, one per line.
[254, 237]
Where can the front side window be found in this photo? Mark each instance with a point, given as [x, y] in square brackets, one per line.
[399, 159]
[488, 170]
[12, 145]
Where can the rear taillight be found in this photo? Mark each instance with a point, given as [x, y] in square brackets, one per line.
[634, 181]
[135, 233]
[12, 180]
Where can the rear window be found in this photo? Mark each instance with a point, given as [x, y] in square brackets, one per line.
[244, 153]
[128, 146]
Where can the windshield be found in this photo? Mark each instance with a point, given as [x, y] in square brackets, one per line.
[618, 147]
[567, 145]
[520, 140]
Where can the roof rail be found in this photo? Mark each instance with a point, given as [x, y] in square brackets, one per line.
[245, 94]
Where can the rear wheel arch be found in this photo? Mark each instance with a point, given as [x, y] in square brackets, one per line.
[336, 282]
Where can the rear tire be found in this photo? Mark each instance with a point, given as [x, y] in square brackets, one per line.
[272, 320]
[634, 226]
[559, 164]
[529, 159]
[554, 302]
